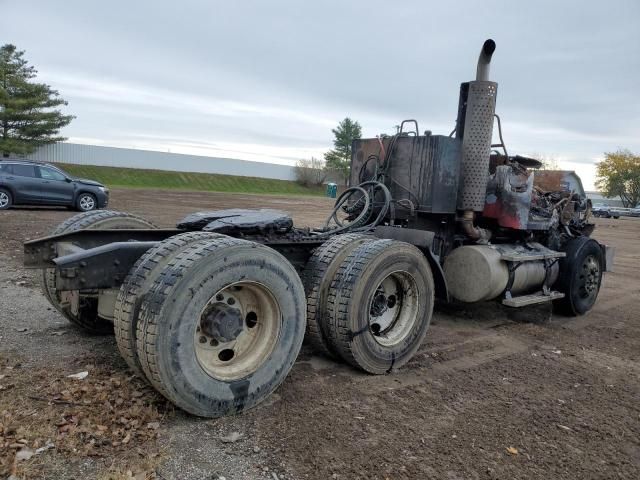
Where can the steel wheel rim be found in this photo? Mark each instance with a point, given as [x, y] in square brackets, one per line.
[237, 330]
[589, 278]
[87, 202]
[393, 309]
[4, 199]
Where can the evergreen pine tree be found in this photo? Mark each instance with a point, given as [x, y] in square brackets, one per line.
[29, 116]
[339, 159]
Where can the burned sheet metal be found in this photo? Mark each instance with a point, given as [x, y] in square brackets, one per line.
[238, 221]
[423, 171]
[509, 197]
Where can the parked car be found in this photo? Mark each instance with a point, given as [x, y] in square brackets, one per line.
[24, 182]
[623, 212]
[600, 210]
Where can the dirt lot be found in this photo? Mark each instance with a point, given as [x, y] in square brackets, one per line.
[489, 395]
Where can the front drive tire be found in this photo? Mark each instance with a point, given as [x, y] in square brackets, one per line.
[6, 199]
[86, 202]
[380, 305]
[85, 313]
[580, 276]
[222, 326]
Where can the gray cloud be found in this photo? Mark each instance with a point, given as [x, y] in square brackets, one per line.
[269, 79]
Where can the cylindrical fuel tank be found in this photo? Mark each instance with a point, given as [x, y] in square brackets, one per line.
[477, 272]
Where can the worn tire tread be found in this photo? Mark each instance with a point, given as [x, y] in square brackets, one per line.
[152, 305]
[342, 300]
[340, 296]
[139, 279]
[316, 278]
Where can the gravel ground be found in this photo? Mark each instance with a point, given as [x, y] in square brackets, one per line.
[492, 393]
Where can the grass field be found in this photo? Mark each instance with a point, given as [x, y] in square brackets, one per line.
[138, 178]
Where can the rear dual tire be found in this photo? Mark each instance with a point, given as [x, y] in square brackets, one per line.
[85, 314]
[220, 325]
[136, 286]
[317, 277]
[380, 305]
[369, 301]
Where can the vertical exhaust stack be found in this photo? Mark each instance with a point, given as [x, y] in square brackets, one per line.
[484, 60]
[475, 127]
[478, 130]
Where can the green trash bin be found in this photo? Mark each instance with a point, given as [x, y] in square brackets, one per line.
[332, 189]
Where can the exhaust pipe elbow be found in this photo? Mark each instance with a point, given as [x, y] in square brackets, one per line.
[480, 235]
[484, 60]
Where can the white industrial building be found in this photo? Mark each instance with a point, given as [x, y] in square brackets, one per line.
[80, 154]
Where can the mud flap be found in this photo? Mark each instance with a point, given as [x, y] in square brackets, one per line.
[608, 252]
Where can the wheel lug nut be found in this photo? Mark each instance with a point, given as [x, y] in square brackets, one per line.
[203, 339]
[219, 297]
[231, 301]
[213, 342]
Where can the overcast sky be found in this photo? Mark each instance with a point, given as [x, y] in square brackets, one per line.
[267, 80]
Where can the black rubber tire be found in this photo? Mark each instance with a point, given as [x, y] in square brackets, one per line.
[569, 280]
[168, 319]
[349, 301]
[316, 277]
[9, 196]
[136, 286]
[80, 208]
[87, 318]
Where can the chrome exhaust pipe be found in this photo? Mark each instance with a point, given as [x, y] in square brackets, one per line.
[477, 105]
[484, 60]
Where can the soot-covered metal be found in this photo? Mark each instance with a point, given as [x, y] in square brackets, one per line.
[422, 173]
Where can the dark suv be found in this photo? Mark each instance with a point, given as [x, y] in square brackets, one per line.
[32, 183]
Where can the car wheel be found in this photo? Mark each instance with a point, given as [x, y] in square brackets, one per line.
[86, 202]
[6, 200]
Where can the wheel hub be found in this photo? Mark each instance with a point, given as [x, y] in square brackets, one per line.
[222, 322]
[590, 276]
[237, 330]
[393, 308]
[379, 304]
